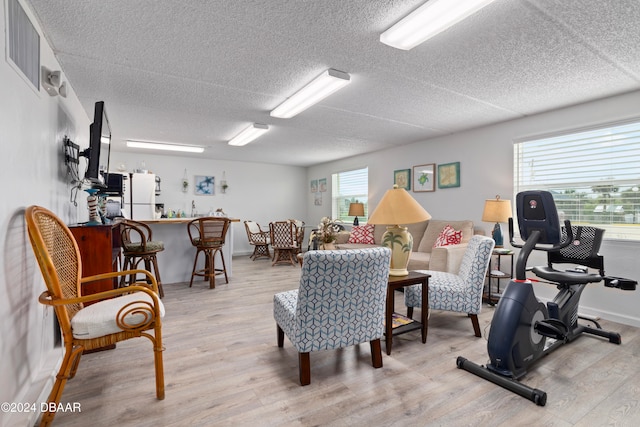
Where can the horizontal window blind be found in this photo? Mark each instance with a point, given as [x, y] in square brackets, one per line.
[348, 187]
[594, 176]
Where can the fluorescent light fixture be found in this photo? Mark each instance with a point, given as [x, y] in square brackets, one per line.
[249, 134]
[322, 86]
[428, 20]
[163, 146]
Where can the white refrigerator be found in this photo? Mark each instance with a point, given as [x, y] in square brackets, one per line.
[142, 202]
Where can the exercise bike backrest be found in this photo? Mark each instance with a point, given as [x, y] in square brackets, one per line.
[539, 227]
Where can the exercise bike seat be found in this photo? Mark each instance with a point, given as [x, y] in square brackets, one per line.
[566, 277]
[582, 251]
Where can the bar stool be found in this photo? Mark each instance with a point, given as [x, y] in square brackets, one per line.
[138, 245]
[208, 236]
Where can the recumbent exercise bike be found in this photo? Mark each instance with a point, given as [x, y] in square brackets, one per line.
[521, 324]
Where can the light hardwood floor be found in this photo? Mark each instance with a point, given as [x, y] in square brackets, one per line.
[223, 367]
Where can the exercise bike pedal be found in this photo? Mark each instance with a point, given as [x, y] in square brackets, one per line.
[552, 328]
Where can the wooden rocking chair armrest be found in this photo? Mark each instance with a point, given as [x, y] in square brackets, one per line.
[150, 277]
[46, 298]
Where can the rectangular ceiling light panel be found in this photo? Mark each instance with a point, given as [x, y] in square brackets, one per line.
[322, 86]
[163, 146]
[249, 134]
[431, 18]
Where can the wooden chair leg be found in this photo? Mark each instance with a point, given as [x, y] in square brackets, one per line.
[159, 365]
[210, 268]
[410, 312]
[280, 336]
[69, 363]
[305, 368]
[376, 353]
[224, 267]
[156, 272]
[476, 325]
[193, 271]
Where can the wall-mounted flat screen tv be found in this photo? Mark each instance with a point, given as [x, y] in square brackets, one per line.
[99, 147]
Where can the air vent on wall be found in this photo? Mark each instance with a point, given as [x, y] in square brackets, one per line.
[24, 43]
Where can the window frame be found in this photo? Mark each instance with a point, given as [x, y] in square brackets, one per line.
[598, 187]
[340, 201]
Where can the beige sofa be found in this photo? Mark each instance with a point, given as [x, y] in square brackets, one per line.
[424, 255]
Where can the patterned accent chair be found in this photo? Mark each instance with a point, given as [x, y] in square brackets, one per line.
[460, 292]
[340, 303]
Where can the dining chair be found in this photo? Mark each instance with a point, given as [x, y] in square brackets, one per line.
[259, 239]
[284, 242]
[138, 246]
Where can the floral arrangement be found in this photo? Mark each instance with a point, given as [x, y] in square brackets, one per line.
[327, 230]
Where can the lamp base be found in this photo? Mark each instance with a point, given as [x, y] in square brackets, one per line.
[400, 241]
[355, 222]
[496, 234]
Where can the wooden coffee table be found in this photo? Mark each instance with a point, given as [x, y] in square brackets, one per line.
[405, 324]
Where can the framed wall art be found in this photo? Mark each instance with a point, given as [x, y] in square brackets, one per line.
[402, 178]
[205, 185]
[424, 177]
[313, 184]
[449, 175]
[322, 183]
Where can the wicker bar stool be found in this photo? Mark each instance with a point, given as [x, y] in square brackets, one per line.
[208, 235]
[138, 246]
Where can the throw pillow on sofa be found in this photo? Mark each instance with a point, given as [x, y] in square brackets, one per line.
[362, 234]
[448, 236]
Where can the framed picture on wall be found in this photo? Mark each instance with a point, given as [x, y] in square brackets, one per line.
[424, 177]
[449, 175]
[204, 185]
[314, 186]
[322, 183]
[402, 178]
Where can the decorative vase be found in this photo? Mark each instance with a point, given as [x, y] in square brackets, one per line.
[92, 205]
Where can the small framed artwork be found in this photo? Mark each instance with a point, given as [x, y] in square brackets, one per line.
[205, 185]
[323, 185]
[449, 175]
[424, 177]
[314, 186]
[317, 199]
[402, 178]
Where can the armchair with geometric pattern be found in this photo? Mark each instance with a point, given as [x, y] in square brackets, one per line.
[340, 303]
[461, 292]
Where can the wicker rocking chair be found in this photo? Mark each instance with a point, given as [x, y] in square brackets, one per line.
[114, 315]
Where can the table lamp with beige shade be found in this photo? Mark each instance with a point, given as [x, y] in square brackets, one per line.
[398, 207]
[497, 210]
[356, 209]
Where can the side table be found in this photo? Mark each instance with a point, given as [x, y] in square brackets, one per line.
[496, 272]
[397, 282]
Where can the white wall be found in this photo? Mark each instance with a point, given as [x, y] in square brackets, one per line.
[486, 161]
[32, 126]
[257, 191]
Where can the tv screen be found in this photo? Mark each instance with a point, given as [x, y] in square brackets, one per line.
[99, 146]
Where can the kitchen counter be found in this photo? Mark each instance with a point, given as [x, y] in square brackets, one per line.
[176, 261]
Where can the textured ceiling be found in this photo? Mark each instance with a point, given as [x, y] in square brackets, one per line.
[198, 72]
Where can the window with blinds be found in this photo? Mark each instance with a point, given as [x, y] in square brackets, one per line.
[594, 176]
[349, 187]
